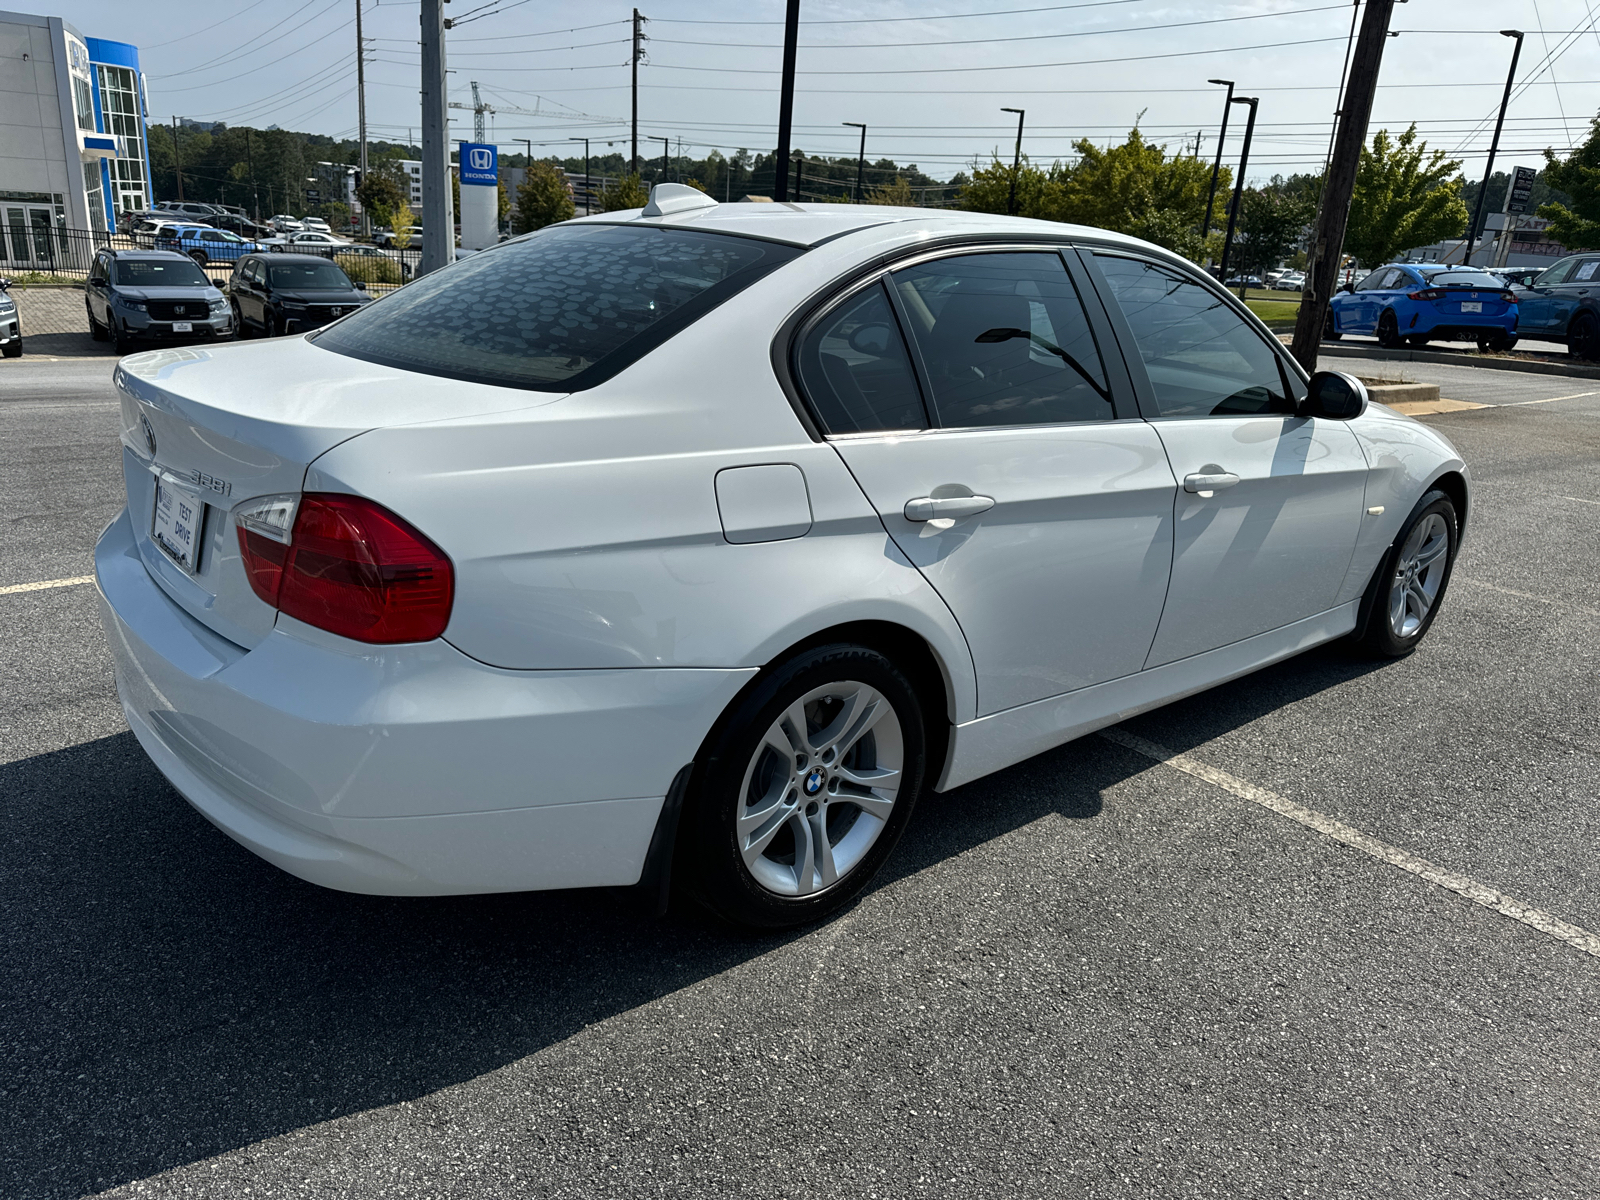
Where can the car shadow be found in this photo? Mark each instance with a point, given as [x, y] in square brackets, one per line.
[168, 996]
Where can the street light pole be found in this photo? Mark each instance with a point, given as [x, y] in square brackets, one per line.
[780, 157]
[1238, 186]
[588, 192]
[1216, 167]
[861, 159]
[1494, 146]
[1016, 161]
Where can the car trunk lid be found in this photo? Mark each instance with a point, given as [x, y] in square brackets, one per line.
[218, 427]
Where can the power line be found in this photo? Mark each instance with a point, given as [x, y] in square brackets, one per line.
[244, 49]
[1000, 12]
[1039, 37]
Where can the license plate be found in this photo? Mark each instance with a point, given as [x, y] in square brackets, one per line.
[1472, 306]
[178, 521]
[183, 327]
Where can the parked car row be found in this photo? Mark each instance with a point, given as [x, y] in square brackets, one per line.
[136, 298]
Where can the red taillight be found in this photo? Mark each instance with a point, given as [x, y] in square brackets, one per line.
[354, 568]
[1509, 297]
[1427, 294]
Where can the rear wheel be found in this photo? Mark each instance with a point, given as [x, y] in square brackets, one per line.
[1583, 337]
[1404, 596]
[199, 257]
[1389, 330]
[807, 786]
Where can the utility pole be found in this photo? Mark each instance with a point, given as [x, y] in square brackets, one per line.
[177, 158]
[438, 219]
[1327, 246]
[361, 113]
[799, 162]
[638, 53]
[1494, 146]
[861, 158]
[1016, 162]
[255, 193]
[666, 149]
[588, 188]
[1238, 185]
[1216, 167]
[780, 158]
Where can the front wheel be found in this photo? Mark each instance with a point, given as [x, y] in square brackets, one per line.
[1406, 592]
[1389, 330]
[1330, 328]
[12, 349]
[97, 331]
[807, 786]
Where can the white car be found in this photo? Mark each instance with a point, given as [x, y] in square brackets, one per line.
[693, 542]
[284, 223]
[316, 225]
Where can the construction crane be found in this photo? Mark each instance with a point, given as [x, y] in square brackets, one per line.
[479, 107]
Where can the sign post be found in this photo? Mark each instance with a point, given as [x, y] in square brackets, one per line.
[480, 196]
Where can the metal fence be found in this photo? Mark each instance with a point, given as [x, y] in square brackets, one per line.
[38, 249]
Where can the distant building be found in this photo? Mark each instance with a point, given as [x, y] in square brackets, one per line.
[73, 146]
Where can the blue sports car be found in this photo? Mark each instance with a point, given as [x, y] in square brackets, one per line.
[1419, 302]
[205, 244]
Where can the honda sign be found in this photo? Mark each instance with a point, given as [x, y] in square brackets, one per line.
[479, 165]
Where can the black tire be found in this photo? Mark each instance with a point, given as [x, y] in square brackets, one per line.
[1583, 337]
[739, 761]
[200, 259]
[241, 329]
[271, 327]
[1330, 331]
[97, 331]
[1385, 635]
[121, 343]
[1389, 330]
[12, 349]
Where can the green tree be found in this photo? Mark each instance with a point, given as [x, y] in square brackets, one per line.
[1404, 197]
[897, 194]
[627, 192]
[1576, 225]
[542, 200]
[1272, 222]
[1038, 189]
[382, 197]
[1138, 189]
[502, 204]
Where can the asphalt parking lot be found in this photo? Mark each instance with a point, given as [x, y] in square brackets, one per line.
[1095, 974]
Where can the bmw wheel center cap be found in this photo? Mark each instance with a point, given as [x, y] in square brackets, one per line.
[814, 781]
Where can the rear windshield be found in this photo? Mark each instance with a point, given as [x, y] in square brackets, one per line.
[558, 311]
[1459, 278]
[323, 276]
[151, 273]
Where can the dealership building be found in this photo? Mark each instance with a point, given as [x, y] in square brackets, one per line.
[72, 133]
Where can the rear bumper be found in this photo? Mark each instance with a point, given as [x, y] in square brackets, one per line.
[1462, 328]
[401, 770]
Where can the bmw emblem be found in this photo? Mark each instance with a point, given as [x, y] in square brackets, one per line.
[814, 780]
[149, 434]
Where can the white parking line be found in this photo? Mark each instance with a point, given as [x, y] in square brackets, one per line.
[1580, 500]
[1551, 400]
[1574, 935]
[45, 585]
[1557, 601]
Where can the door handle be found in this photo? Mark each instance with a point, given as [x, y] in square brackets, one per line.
[929, 508]
[1204, 485]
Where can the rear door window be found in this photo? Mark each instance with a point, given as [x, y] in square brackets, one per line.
[1003, 340]
[560, 310]
[855, 370]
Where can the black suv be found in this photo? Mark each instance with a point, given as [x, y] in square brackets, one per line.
[290, 293]
[153, 296]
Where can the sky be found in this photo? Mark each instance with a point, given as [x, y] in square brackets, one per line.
[929, 87]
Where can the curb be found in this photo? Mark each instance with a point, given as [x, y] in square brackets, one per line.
[1531, 366]
[1393, 394]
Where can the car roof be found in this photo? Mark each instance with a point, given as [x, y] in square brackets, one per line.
[812, 224]
[141, 255]
[274, 259]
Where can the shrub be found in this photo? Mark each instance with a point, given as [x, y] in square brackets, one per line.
[369, 268]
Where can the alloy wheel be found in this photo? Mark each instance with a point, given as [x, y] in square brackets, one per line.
[820, 788]
[1418, 575]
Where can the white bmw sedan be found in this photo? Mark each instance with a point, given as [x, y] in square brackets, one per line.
[692, 543]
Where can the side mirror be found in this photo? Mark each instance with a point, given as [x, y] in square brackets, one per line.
[360, 286]
[1335, 396]
[1349, 287]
